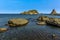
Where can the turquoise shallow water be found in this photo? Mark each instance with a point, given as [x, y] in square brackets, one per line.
[31, 31]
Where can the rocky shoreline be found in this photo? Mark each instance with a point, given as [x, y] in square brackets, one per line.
[49, 20]
[41, 20]
[17, 29]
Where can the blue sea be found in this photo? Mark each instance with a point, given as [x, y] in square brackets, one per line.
[31, 31]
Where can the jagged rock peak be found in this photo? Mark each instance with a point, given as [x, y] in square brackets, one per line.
[53, 12]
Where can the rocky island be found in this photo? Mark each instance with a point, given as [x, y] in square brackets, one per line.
[53, 12]
[30, 12]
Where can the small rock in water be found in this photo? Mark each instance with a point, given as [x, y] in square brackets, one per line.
[41, 23]
[3, 29]
[54, 35]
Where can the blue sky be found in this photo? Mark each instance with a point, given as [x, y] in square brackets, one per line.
[16, 6]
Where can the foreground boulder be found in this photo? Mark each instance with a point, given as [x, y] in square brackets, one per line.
[17, 22]
[42, 20]
[54, 22]
[3, 29]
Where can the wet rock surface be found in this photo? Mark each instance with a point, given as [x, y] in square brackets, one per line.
[3, 29]
[54, 22]
[49, 21]
[17, 22]
[41, 20]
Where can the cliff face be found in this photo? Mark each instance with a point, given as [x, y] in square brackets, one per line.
[30, 12]
[53, 12]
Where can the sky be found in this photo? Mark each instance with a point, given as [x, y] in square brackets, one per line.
[17, 6]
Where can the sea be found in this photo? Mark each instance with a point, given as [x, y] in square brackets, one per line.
[31, 31]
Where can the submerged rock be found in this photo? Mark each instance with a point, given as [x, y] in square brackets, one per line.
[41, 23]
[17, 22]
[54, 35]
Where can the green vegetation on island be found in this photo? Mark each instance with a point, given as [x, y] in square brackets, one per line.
[30, 12]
